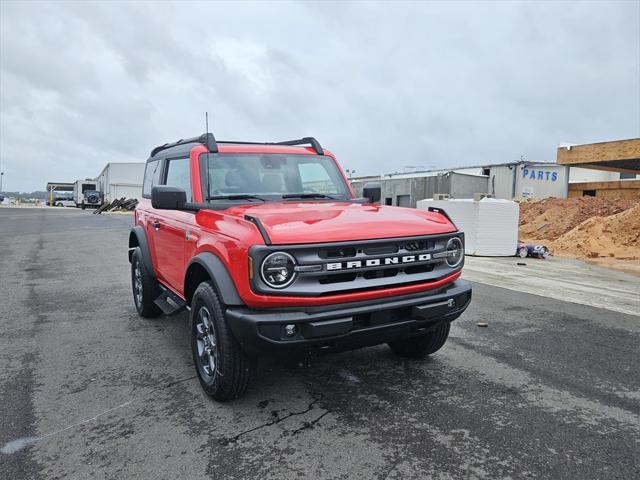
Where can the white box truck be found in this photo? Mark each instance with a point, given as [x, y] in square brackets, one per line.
[86, 194]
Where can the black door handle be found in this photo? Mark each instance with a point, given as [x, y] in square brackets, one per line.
[155, 224]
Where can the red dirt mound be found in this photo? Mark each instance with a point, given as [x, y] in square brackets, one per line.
[606, 231]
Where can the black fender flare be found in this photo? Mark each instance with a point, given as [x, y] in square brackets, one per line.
[140, 237]
[220, 276]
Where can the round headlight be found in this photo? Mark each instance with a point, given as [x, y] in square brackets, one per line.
[455, 252]
[277, 269]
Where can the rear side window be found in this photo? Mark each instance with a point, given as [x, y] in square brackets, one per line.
[151, 177]
[178, 175]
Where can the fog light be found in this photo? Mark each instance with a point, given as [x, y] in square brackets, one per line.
[290, 330]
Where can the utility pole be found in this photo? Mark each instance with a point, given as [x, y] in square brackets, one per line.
[1, 176]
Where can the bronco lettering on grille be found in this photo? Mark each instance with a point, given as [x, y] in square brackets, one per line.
[376, 262]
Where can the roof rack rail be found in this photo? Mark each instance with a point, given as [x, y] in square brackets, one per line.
[303, 141]
[206, 139]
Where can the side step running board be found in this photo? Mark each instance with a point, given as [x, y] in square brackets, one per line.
[170, 303]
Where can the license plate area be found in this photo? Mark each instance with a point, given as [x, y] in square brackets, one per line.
[433, 310]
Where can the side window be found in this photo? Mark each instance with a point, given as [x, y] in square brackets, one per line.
[151, 177]
[179, 175]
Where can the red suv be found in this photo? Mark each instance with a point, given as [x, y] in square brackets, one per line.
[266, 246]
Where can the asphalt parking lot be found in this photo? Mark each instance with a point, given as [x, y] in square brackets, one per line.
[550, 389]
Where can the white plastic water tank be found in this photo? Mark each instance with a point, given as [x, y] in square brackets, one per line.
[490, 226]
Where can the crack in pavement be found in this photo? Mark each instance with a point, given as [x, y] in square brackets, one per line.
[307, 425]
[233, 439]
[18, 444]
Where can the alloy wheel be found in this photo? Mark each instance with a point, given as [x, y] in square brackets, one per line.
[137, 283]
[206, 344]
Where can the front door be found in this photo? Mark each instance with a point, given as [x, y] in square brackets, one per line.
[170, 227]
[169, 240]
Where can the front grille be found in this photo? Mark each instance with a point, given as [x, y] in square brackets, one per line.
[346, 252]
[339, 278]
[382, 250]
[384, 273]
[333, 268]
[419, 245]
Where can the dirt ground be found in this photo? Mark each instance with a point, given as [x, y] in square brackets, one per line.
[598, 230]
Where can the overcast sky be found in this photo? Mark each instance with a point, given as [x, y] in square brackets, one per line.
[382, 85]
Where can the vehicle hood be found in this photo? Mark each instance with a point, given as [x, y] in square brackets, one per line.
[313, 222]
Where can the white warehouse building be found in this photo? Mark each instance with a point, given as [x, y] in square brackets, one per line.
[119, 180]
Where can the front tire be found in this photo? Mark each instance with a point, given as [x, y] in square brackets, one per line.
[144, 287]
[423, 345]
[224, 369]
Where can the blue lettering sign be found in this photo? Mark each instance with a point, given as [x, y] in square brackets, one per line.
[539, 175]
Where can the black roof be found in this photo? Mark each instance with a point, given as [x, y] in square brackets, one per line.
[208, 140]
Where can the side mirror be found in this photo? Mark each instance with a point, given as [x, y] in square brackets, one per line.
[372, 191]
[164, 197]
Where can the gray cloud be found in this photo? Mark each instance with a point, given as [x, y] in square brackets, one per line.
[383, 85]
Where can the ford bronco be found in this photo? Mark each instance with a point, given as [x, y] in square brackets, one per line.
[267, 248]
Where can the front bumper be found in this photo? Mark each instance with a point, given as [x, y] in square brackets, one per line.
[350, 325]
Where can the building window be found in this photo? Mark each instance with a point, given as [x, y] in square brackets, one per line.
[486, 171]
[388, 201]
[627, 176]
[588, 193]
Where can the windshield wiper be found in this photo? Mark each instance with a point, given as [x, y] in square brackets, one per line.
[236, 197]
[309, 195]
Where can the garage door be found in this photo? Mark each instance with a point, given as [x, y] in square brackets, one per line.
[127, 191]
[404, 200]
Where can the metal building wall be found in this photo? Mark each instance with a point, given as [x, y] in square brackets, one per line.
[126, 173]
[465, 186]
[502, 181]
[507, 181]
[395, 190]
[542, 181]
[535, 180]
[119, 190]
[121, 180]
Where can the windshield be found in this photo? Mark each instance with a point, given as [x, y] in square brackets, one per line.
[273, 176]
